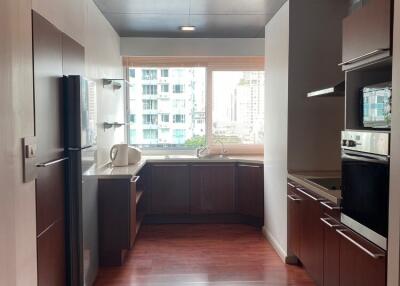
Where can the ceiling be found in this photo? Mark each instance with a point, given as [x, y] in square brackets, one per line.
[212, 18]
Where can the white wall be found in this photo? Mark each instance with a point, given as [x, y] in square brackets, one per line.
[276, 126]
[17, 200]
[394, 200]
[169, 47]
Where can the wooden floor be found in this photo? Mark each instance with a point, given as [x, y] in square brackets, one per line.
[177, 255]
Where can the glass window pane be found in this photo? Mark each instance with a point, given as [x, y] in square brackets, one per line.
[158, 120]
[238, 107]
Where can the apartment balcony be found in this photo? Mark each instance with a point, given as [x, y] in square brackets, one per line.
[150, 96]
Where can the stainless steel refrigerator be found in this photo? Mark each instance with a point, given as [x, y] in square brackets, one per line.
[80, 140]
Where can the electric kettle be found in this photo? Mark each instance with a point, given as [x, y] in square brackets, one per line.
[119, 155]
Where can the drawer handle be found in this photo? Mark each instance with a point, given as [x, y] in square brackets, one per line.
[169, 165]
[47, 164]
[291, 185]
[135, 179]
[326, 221]
[250, 166]
[292, 198]
[365, 56]
[325, 204]
[373, 255]
[308, 195]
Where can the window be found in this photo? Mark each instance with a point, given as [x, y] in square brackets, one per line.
[164, 88]
[238, 107]
[132, 73]
[150, 104]
[132, 118]
[149, 74]
[150, 119]
[164, 73]
[178, 88]
[178, 118]
[149, 89]
[165, 118]
[156, 116]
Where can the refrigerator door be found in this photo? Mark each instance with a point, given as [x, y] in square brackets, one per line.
[81, 112]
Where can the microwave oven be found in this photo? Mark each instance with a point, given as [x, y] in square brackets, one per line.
[376, 105]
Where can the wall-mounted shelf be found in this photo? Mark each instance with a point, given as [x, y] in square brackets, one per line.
[115, 83]
[108, 125]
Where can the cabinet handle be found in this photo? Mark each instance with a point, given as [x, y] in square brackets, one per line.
[213, 165]
[135, 179]
[373, 255]
[292, 198]
[250, 166]
[365, 56]
[47, 164]
[325, 204]
[326, 221]
[308, 195]
[291, 185]
[170, 165]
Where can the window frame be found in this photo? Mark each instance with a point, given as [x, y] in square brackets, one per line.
[211, 65]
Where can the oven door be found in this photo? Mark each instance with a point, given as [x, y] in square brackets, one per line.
[365, 193]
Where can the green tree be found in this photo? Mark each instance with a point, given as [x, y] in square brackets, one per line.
[196, 141]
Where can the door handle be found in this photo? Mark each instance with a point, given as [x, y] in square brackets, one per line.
[365, 56]
[373, 255]
[292, 198]
[291, 185]
[326, 221]
[308, 195]
[250, 166]
[50, 163]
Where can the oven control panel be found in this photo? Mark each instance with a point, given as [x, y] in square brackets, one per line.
[366, 141]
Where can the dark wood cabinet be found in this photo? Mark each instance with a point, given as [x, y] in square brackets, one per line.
[331, 252]
[250, 190]
[361, 263]
[367, 34]
[294, 220]
[212, 189]
[118, 220]
[170, 189]
[311, 235]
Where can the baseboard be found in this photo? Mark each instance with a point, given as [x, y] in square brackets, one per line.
[278, 249]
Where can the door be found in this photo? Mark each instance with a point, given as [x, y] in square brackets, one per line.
[170, 189]
[367, 34]
[212, 189]
[361, 262]
[294, 220]
[250, 198]
[311, 235]
[50, 183]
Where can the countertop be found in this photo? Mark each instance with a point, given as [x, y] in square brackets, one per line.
[301, 179]
[108, 171]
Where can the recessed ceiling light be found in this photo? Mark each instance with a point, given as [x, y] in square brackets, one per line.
[187, 28]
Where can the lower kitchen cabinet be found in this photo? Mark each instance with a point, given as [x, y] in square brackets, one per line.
[212, 189]
[361, 263]
[250, 190]
[294, 220]
[311, 235]
[331, 253]
[169, 189]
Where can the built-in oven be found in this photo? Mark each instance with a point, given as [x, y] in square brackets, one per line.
[365, 184]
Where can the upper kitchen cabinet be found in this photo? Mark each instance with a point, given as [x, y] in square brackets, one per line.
[367, 34]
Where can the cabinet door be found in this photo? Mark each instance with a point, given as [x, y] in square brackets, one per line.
[250, 199]
[212, 189]
[361, 263]
[294, 220]
[331, 252]
[367, 31]
[311, 235]
[170, 189]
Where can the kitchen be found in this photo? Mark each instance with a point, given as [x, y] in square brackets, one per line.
[316, 197]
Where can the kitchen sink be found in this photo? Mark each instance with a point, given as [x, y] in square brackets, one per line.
[331, 184]
[213, 157]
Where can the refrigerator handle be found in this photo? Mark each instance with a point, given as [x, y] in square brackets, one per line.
[50, 163]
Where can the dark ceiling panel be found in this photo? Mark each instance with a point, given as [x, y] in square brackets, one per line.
[212, 18]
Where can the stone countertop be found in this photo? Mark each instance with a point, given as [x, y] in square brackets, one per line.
[109, 171]
[301, 179]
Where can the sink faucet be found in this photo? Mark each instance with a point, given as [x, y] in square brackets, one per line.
[199, 151]
[223, 150]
